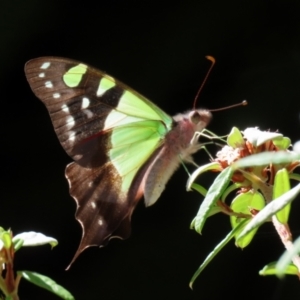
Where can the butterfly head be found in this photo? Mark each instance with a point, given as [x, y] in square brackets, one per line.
[199, 118]
[196, 119]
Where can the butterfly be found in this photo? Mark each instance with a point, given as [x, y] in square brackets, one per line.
[123, 145]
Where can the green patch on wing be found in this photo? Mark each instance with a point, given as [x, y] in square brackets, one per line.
[138, 127]
[74, 75]
[136, 105]
[116, 118]
[105, 84]
[132, 145]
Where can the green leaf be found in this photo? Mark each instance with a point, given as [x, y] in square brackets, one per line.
[235, 138]
[230, 189]
[272, 269]
[32, 238]
[241, 204]
[281, 186]
[266, 158]
[284, 262]
[294, 176]
[199, 188]
[18, 244]
[216, 250]
[272, 208]
[200, 170]
[6, 239]
[46, 283]
[283, 143]
[213, 195]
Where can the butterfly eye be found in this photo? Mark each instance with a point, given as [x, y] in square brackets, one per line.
[195, 117]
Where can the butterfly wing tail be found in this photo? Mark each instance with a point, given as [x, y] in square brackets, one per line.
[102, 211]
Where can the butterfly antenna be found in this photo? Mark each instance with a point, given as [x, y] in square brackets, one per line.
[243, 103]
[205, 78]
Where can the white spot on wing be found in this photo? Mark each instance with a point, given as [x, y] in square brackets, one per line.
[56, 95]
[65, 108]
[88, 113]
[72, 136]
[85, 102]
[45, 65]
[100, 222]
[93, 205]
[42, 75]
[48, 84]
[70, 121]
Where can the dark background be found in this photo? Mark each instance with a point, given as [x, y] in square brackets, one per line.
[157, 48]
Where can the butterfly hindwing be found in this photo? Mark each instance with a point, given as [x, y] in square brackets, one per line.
[111, 132]
[103, 210]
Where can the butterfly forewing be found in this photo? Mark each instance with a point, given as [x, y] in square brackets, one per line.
[85, 103]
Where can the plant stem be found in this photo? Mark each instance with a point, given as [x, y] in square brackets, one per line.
[283, 230]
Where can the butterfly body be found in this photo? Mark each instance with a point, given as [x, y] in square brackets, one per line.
[177, 147]
[122, 144]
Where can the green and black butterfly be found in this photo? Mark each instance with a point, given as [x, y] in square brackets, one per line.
[123, 145]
